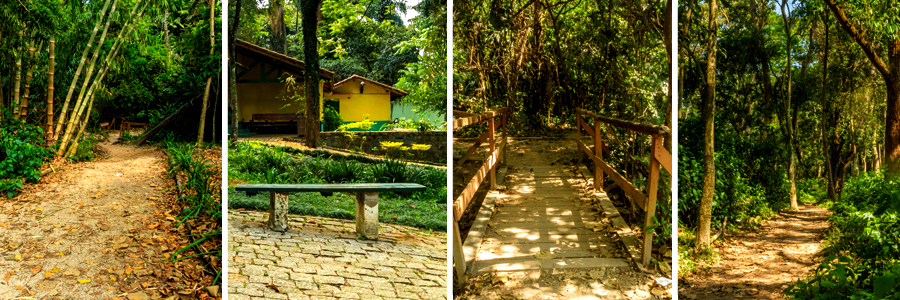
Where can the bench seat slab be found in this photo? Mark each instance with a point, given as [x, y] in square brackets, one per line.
[367, 215]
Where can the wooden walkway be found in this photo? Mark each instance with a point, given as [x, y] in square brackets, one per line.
[544, 220]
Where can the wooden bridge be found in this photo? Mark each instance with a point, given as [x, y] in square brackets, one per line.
[549, 218]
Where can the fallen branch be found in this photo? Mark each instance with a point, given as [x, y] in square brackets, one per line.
[158, 127]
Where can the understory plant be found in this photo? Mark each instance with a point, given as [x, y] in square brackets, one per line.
[862, 253]
[21, 154]
[201, 197]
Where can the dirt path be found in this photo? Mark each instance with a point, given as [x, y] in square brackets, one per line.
[763, 263]
[95, 230]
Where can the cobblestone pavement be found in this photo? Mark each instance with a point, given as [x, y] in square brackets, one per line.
[321, 258]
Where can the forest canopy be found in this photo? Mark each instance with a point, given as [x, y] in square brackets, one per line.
[544, 58]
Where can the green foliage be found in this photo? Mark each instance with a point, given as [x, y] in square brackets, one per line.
[257, 163]
[86, 148]
[344, 171]
[863, 247]
[332, 120]
[420, 125]
[748, 187]
[202, 196]
[21, 154]
[364, 125]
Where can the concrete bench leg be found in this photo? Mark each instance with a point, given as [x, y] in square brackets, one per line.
[367, 215]
[278, 210]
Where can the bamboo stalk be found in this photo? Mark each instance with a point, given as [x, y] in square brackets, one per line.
[49, 132]
[81, 102]
[29, 75]
[91, 91]
[14, 107]
[212, 44]
[84, 54]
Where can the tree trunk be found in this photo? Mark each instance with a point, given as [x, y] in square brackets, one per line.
[166, 29]
[276, 26]
[212, 48]
[708, 112]
[826, 135]
[311, 59]
[84, 53]
[232, 81]
[792, 160]
[51, 72]
[158, 127]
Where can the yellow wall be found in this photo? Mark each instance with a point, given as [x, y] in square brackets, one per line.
[375, 101]
[261, 98]
[266, 98]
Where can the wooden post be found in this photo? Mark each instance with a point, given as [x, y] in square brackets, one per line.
[493, 148]
[652, 186]
[598, 151]
[459, 262]
[367, 215]
[505, 134]
[278, 210]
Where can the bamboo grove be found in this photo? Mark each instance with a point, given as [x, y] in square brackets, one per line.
[66, 64]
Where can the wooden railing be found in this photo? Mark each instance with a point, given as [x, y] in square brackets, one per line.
[487, 170]
[659, 156]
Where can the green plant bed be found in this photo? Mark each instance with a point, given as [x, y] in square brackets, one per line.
[419, 210]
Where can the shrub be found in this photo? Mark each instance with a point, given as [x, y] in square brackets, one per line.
[863, 247]
[21, 155]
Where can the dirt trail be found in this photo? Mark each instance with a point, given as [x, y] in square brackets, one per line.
[761, 264]
[100, 221]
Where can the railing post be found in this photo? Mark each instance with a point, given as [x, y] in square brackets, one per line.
[459, 262]
[505, 134]
[598, 151]
[652, 186]
[491, 152]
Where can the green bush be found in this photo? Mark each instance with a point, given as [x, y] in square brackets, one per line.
[748, 186]
[863, 248]
[418, 125]
[21, 155]
[256, 163]
[333, 119]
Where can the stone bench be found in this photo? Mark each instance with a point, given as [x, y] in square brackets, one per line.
[366, 200]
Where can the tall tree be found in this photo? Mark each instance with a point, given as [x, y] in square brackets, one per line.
[277, 29]
[708, 111]
[310, 13]
[789, 124]
[232, 82]
[890, 73]
[212, 48]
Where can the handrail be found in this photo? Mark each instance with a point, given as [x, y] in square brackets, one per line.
[487, 170]
[637, 127]
[660, 157]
